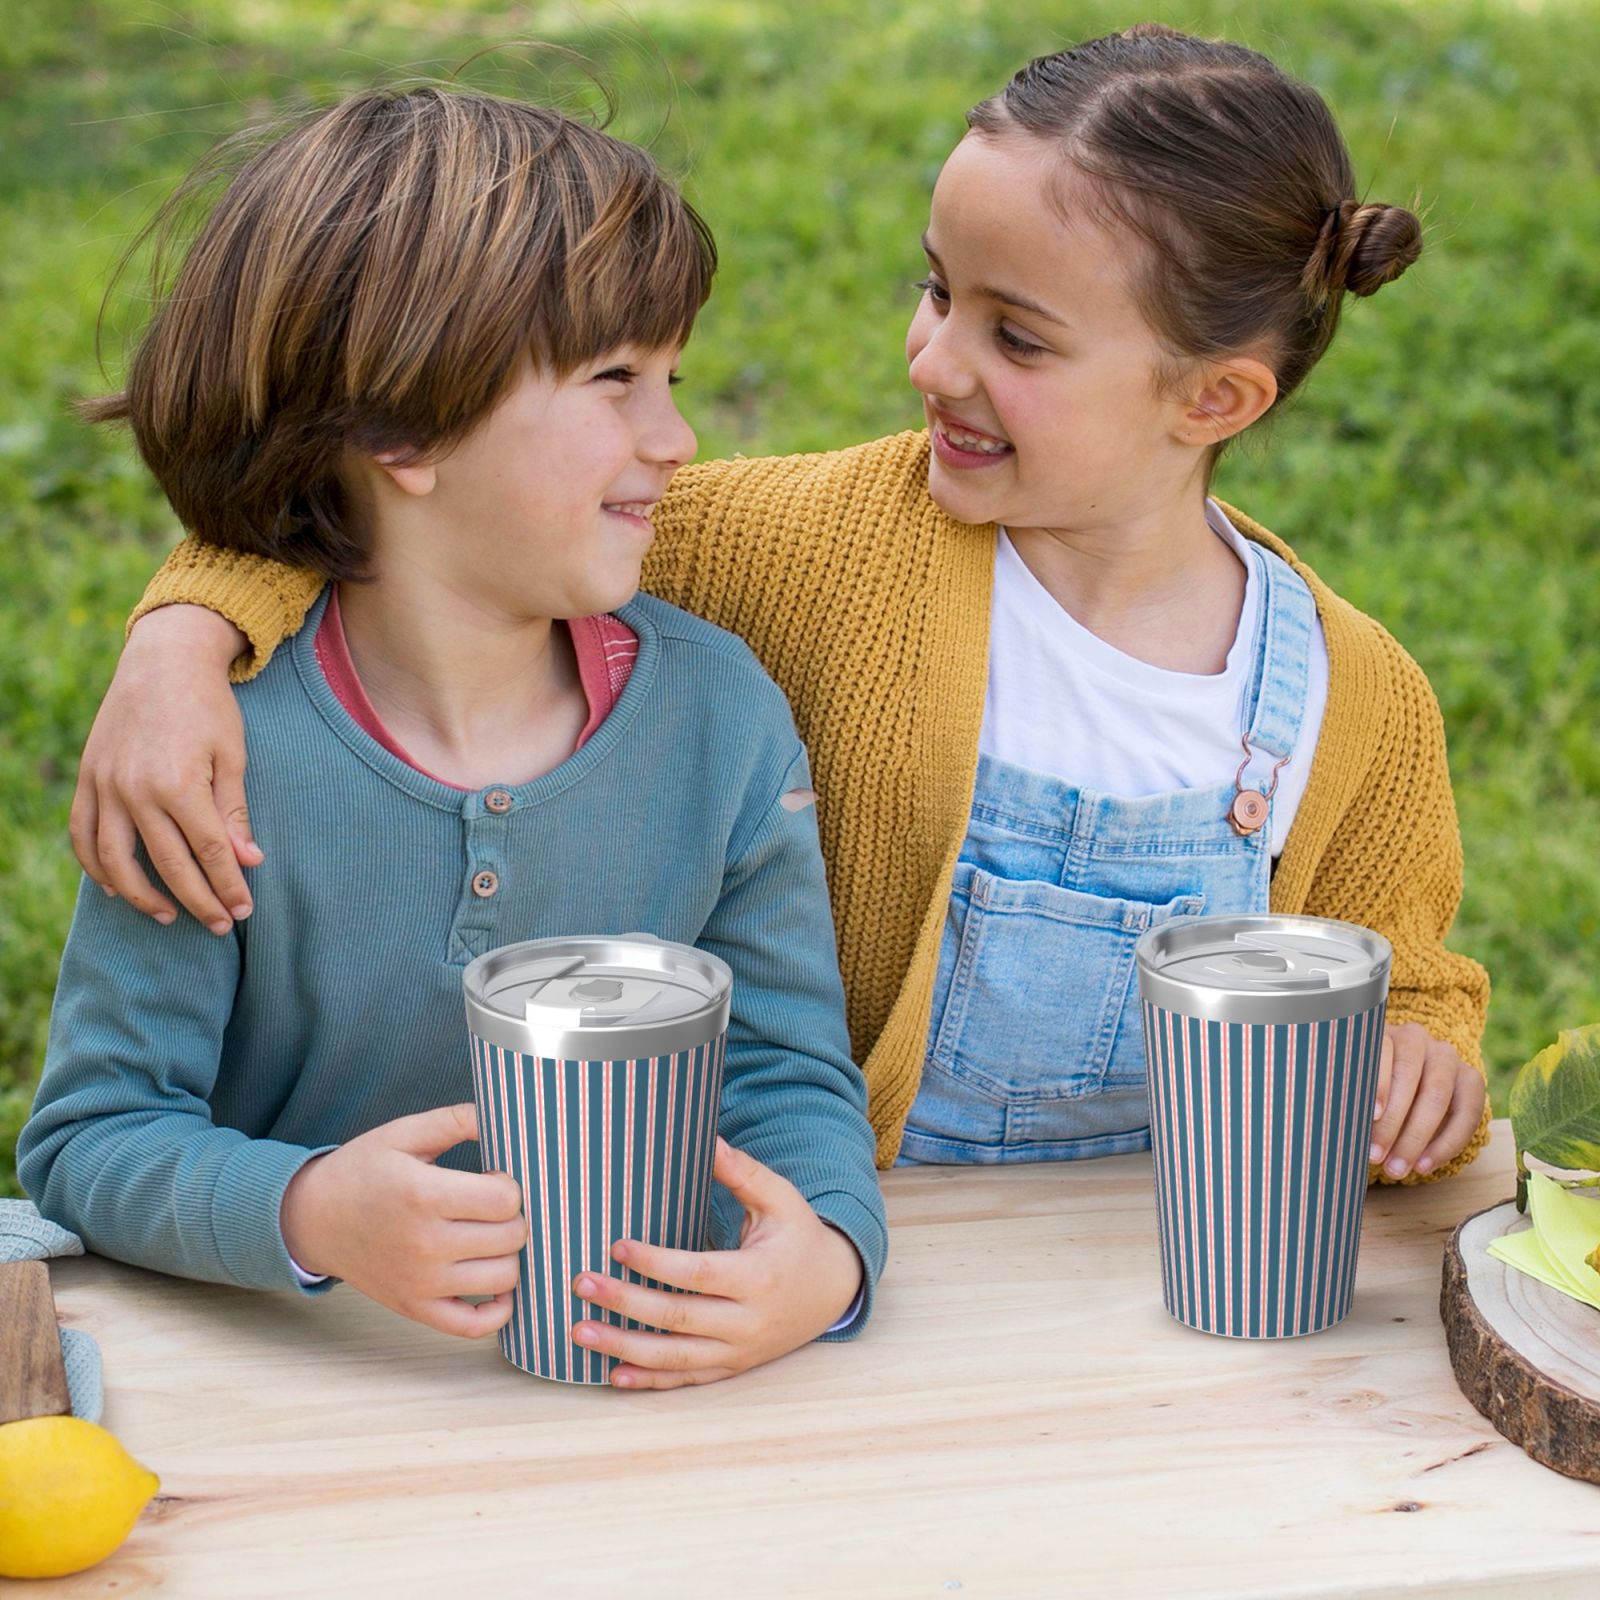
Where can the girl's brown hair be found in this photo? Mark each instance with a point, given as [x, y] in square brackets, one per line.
[1233, 173]
[375, 279]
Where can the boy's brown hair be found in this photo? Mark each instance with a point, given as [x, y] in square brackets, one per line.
[376, 279]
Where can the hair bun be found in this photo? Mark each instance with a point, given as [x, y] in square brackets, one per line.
[1361, 248]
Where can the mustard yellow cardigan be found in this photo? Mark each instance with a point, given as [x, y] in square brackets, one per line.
[870, 607]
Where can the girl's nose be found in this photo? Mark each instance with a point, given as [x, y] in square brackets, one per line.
[937, 365]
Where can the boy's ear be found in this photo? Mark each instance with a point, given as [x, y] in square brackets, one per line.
[409, 477]
[1235, 393]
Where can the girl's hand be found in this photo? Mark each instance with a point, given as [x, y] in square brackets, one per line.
[791, 1278]
[1429, 1102]
[378, 1213]
[165, 761]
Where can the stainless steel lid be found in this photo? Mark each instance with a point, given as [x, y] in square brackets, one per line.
[597, 999]
[1271, 969]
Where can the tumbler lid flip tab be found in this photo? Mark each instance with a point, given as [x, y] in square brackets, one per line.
[602, 998]
[1264, 968]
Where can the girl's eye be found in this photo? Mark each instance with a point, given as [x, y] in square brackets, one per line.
[1017, 347]
[934, 290]
[616, 375]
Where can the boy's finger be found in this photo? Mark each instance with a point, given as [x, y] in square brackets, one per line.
[756, 1187]
[428, 1134]
[713, 1272]
[1403, 1079]
[465, 1320]
[707, 1315]
[626, 1377]
[493, 1275]
[658, 1352]
[1466, 1111]
[483, 1241]
[114, 838]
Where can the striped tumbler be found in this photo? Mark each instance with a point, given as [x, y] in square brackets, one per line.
[597, 1070]
[1263, 1036]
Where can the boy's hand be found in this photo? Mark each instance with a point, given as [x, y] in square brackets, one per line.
[165, 762]
[791, 1278]
[412, 1236]
[1429, 1102]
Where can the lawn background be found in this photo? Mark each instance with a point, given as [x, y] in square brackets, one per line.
[1438, 469]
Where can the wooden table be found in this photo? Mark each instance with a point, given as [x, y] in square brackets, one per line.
[1022, 1419]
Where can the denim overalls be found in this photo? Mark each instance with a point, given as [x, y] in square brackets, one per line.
[1035, 1046]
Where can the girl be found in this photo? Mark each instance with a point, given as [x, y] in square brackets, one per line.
[1054, 692]
[423, 345]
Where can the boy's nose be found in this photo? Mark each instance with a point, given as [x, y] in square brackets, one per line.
[669, 440]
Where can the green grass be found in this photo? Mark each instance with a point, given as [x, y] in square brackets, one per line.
[1438, 469]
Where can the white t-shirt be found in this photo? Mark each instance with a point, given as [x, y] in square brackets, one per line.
[1064, 702]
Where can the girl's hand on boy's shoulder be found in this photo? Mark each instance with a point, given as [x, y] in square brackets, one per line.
[1429, 1105]
[165, 763]
[414, 1237]
[791, 1279]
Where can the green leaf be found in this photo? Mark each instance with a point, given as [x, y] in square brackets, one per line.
[1555, 1102]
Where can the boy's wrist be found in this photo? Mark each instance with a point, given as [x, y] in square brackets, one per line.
[298, 1219]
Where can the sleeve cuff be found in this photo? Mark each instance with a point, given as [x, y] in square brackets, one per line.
[864, 1227]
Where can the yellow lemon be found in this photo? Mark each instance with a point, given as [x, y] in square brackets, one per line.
[69, 1495]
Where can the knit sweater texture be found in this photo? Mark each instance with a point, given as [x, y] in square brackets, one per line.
[870, 607]
[188, 1078]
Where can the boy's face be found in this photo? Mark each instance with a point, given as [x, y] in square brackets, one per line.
[543, 508]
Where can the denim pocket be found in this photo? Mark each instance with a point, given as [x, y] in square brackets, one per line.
[1041, 1009]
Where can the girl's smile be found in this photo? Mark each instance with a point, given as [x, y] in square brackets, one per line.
[1038, 371]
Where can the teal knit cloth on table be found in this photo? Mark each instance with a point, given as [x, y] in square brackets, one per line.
[188, 1077]
[26, 1236]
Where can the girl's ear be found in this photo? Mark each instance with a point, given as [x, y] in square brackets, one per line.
[409, 477]
[1235, 393]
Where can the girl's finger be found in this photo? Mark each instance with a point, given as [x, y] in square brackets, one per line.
[1385, 1072]
[169, 853]
[83, 826]
[114, 838]
[708, 1316]
[1466, 1112]
[709, 1272]
[227, 791]
[657, 1352]
[212, 862]
[1429, 1107]
[1410, 1052]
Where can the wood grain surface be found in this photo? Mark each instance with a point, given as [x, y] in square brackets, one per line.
[33, 1376]
[1021, 1419]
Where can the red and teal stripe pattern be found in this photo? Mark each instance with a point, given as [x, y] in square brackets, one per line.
[1260, 1136]
[602, 1150]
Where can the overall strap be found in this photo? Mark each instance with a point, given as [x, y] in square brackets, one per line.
[1278, 688]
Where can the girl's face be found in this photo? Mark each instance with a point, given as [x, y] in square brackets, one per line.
[1038, 371]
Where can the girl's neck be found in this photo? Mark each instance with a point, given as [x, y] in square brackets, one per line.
[1165, 590]
[472, 693]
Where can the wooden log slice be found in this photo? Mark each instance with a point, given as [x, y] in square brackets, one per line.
[1527, 1356]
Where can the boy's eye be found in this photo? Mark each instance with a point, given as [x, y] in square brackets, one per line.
[1017, 346]
[616, 375]
[934, 290]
